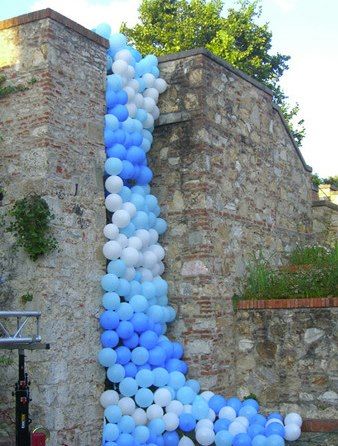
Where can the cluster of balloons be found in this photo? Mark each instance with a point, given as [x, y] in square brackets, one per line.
[151, 402]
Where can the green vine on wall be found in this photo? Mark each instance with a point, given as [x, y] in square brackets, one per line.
[5, 90]
[31, 226]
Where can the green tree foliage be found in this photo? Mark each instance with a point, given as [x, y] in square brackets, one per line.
[317, 180]
[169, 26]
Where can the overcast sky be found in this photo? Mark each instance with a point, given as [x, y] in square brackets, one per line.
[306, 30]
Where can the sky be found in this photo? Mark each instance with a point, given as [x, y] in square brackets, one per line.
[306, 30]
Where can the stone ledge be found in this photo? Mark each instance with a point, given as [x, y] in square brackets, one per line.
[51, 14]
[279, 304]
[325, 203]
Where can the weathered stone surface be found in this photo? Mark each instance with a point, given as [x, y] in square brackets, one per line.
[292, 362]
[52, 145]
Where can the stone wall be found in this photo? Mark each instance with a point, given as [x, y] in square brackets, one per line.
[52, 145]
[325, 222]
[287, 357]
[232, 183]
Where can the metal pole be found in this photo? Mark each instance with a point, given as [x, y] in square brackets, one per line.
[22, 404]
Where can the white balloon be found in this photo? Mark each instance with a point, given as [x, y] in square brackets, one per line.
[127, 405]
[228, 413]
[149, 104]
[149, 259]
[135, 242]
[124, 80]
[207, 394]
[149, 122]
[211, 415]
[124, 55]
[113, 202]
[155, 270]
[122, 240]
[154, 411]
[242, 420]
[292, 432]
[236, 428]
[130, 92]
[160, 85]
[153, 236]
[162, 397]
[129, 256]
[149, 79]
[205, 436]
[112, 250]
[139, 262]
[151, 93]
[139, 100]
[113, 184]
[121, 218]
[133, 83]
[130, 273]
[274, 420]
[187, 408]
[130, 72]
[130, 208]
[158, 251]
[186, 441]
[147, 275]
[204, 423]
[109, 398]
[161, 268]
[155, 112]
[111, 231]
[175, 406]
[120, 67]
[293, 418]
[171, 421]
[140, 417]
[132, 109]
[143, 234]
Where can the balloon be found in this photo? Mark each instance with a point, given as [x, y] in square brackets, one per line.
[186, 395]
[112, 250]
[127, 405]
[107, 357]
[216, 403]
[128, 387]
[223, 438]
[259, 440]
[292, 432]
[228, 413]
[127, 424]
[111, 231]
[275, 440]
[145, 378]
[113, 413]
[161, 376]
[109, 282]
[293, 418]
[113, 184]
[222, 424]
[162, 397]
[109, 320]
[144, 397]
[171, 421]
[140, 417]
[205, 436]
[109, 398]
[115, 373]
[113, 166]
[187, 422]
[140, 356]
[275, 428]
[110, 432]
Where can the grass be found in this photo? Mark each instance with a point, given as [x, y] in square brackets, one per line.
[318, 279]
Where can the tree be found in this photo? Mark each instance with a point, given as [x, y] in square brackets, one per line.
[169, 26]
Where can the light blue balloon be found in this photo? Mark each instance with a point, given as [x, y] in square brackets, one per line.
[113, 166]
[125, 192]
[113, 413]
[200, 408]
[186, 395]
[139, 355]
[177, 380]
[275, 440]
[223, 438]
[161, 376]
[116, 373]
[155, 313]
[117, 42]
[141, 434]
[110, 432]
[247, 412]
[139, 303]
[114, 83]
[107, 357]
[128, 386]
[117, 267]
[109, 282]
[144, 397]
[111, 301]
[259, 440]
[195, 385]
[125, 311]
[111, 122]
[156, 426]
[161, 226]
[145, 378]
[103, 30]
[126, 424]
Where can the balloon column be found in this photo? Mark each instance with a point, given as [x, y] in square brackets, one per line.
[151, 401]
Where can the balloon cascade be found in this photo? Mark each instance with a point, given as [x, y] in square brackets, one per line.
[153, 402]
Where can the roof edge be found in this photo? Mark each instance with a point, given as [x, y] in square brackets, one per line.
[246, 77]
[49, 13]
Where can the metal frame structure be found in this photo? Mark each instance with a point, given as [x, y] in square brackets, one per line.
[16, 340]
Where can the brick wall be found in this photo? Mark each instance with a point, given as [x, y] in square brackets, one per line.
[52, 145]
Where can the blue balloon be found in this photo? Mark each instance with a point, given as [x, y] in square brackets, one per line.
[121, 97]
[223, 438]
[242, 440]
[140, 355]
[123, 287]
[156, 426]
[107, 357]
[141, 434]
[155, 313]
[109, 282]
[127, 423]
[128, 387]
[177, 380]
[216, 403]
[140, 220]
[235, 403]
[140, 322]
[113, 414]
[247, 411]
[161, 376]
[113, 166]
[109, 338]
[145, 175]
[167, 346]
[125, 329]
[120, 136]
[130, 370]
[111, 99]
[138, 200]
[123, 355]
[171, 438]
[117, 267]
[251, 402]
[139, 303]
[125, 311]
[129, 230]
[125, 440]
[275, 440]
[186, 395]
[116, 150]
[131, 342]
[145, 378]
[111, 122]
[114, 83]
[127, 171]
[255, 429]
[120, 111]
[110, 432]
[275, 415]
[148, 339]
[178, 350]
[258, 419]
[135, 155]
[160, 226]
[259, 440]
[117, 42]
[157, 356]
[125, 193]
[187, 422]
[275, 429]
[103, 30]
[144, 397]
[221, 425]
[176, 364]
[195, 385]
[111, 301]
[109, 320]
[116, 373]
